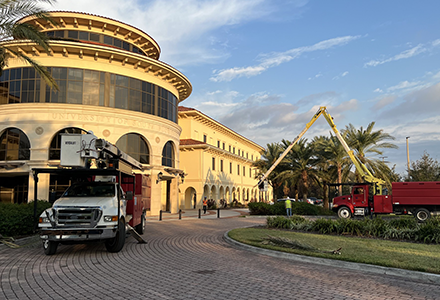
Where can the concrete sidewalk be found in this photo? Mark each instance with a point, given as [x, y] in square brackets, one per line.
[191, 214]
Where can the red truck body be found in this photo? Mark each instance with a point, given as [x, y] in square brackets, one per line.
[141, 198]
[419, 198]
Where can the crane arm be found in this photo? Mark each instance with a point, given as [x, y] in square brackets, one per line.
[362, 169]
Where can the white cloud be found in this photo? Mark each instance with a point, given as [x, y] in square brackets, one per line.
[403, 85]
[183, 29]
[378, 90]
[271, 60]
[384, 101]
[421, 48]
[344, 74]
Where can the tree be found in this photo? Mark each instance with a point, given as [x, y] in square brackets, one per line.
[268, 158]
[365, 143]
[424, 169]
[301, 162]
[10, 12]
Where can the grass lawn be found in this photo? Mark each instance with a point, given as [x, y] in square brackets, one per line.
[403, 255]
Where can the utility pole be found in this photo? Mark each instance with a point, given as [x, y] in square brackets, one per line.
[407, 153]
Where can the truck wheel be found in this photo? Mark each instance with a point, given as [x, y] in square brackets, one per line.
[50, 247]
[140, 228]
[422, 214]
[344, 213]
[117, 243]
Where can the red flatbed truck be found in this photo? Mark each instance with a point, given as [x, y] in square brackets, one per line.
[420, 199]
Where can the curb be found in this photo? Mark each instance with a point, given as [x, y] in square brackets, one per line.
[407, 274]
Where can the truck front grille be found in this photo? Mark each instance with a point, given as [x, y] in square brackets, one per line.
[78, 217]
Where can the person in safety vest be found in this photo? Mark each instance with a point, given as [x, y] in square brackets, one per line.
[288, 207]
[205, 205]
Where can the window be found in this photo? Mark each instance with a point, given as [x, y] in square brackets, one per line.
[229, 148]
[238, 169]
[221, 165]
[230, 168]
[218, 144]
[224, 146]
[213, 163]
[233, 150]
[244, 171]
[14, 145]
[250, 172]
[135, 145]
[205, 138]
[168, 155]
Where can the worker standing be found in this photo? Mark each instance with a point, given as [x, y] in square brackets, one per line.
[288, 207]
[205, 205]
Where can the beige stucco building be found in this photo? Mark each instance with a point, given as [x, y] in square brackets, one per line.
[111, 82]
[217, 161]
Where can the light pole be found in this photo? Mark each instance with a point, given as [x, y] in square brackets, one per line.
[407, 153]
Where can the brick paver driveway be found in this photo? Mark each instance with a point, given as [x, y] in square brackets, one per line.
[187, 259]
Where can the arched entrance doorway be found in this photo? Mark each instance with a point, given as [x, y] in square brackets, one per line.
[190, 198]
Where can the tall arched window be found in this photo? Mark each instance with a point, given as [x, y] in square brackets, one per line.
[14, 145]
[135, 145]
[55, 145]
[168, 155]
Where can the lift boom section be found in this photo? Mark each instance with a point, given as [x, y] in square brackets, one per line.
[360, 167]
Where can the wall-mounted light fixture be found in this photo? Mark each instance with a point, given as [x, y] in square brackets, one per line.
[159, 177]
[183, 177]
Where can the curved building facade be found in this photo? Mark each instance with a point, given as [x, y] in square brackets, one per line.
[110, 81]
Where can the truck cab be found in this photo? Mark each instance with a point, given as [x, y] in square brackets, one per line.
[357, 203]
[90, 210]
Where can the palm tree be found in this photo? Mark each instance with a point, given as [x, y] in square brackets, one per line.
[268, 158]
[10, 12]
[301, 162]
[366, 142]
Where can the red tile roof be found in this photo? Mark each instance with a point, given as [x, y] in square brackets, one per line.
[188, 142]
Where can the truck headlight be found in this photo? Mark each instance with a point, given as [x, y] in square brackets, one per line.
[110, 218]
[43, 220]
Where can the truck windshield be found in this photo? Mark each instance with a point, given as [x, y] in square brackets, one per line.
[90, 190]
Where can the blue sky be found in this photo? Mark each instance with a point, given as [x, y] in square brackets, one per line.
[264, 67]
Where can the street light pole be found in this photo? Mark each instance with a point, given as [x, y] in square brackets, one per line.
[407, 153]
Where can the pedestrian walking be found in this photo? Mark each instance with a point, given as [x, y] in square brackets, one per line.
[288, 207]
[205, 205]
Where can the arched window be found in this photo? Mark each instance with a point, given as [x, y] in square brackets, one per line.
[135, 145]
[55, 145]
[14, 145]
[168, 155]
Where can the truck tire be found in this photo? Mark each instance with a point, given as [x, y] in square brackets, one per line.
[344, 213]
[50, 247]
[117, 243]
[140, 228]
[422, 214]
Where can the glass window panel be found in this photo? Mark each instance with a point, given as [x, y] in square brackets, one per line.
[84, 35]
[59, 73]
[5, 76]
[135, 100]
[136, 49]
[59, 96]
[121, 80]
[15, 74]
[121, 97]
[75, 74]
[91, 93]
[117, 43]
[102, 77]
[50, 33]
[37, 90]
[75, 92]
[108, 40]
[135, 84]
[102, 95]
[112, 97]
[126, 46]
[94, 37]
[90, 75]
[59, 33]
[72, 34]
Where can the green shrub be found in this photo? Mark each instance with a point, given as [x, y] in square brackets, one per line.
[18, 219]
[278, 209]
[324, 226]
[260, 208]
[429, 232]
[279, 222]
[304, 209]
[403, 223]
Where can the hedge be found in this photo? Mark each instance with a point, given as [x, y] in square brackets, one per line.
[18, 219]
[298, 208]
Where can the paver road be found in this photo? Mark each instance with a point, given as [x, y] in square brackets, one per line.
[187, 259]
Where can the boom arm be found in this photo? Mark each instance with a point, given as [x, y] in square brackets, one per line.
[362, 169]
